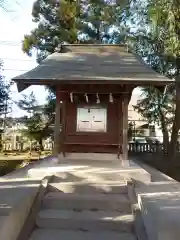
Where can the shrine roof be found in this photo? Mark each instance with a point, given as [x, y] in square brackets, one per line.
[91, 63]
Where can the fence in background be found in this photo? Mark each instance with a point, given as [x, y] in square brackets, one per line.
[24, 146]
[132, 147]
[145, 147]
[148, 148]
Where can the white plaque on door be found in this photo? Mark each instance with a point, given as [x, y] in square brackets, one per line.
[91, 119]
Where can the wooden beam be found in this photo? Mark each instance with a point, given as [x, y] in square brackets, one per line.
[57, 124]
[101, 89]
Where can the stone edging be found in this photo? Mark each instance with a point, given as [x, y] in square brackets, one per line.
[139, 227]
[29, 223]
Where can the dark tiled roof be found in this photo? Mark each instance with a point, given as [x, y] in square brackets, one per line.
[92, 62]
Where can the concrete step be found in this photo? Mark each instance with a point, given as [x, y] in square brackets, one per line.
[112, 187]
[109, 202]
[90, 175]
[53, 234]
[85, 220]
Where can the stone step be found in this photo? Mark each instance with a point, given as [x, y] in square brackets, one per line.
[85, 220]
[109, 202]
[90, 175]
[53, 234]
[89, 187]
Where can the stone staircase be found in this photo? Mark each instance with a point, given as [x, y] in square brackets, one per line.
[85, 210]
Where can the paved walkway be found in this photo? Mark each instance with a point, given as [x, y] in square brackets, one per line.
[86, 200]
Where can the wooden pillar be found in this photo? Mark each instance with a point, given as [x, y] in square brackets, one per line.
[125, 102]
[56, 148]
[63, 123]
[120, 127]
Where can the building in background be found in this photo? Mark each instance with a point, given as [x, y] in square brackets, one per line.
[139, 126]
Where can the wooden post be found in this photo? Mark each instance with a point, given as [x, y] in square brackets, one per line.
[56, 148]
[125, 103]
[120, 127]
[63, 123]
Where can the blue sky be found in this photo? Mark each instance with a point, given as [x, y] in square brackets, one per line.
[17, 21]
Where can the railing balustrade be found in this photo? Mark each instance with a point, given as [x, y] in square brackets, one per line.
[132, 147]
[146, 147]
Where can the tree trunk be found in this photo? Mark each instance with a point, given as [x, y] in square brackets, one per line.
[41, 145]
[176, 122]
[30, 146]
[165, 140]
[165, 133]
[41, 148]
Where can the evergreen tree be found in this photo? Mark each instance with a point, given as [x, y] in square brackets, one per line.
[28, 103]
[165, 20]
[68, 21]
[157, 107]
[4, 94]
[156, 39]
[103, 21]
[56, 23]
[38, 123]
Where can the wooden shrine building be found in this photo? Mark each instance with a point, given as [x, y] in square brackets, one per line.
[93, 86]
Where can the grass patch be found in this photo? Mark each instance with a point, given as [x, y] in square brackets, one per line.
[23, 155]
[12, 160]
[7, 166]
